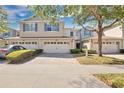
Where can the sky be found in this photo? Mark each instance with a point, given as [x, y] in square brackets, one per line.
[16, 13]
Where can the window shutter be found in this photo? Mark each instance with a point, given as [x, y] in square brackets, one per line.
[23, 27]
[36, 27]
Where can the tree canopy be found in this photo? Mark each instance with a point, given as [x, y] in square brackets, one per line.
[3, 20]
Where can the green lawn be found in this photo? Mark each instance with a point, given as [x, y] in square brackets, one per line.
[94, 59]
[113, 80]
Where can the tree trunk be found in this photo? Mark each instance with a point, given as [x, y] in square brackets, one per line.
[80, 39]
[100, 43]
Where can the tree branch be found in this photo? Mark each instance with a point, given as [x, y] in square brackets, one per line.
[93, 30]
[110, 25]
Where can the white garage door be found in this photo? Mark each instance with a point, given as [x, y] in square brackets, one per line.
[27, 44]
[56, 47]
[109, 47]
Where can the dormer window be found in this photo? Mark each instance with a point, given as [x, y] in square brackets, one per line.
[51, 27]
[30, 27]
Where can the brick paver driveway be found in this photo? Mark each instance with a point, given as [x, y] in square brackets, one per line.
[53, 70]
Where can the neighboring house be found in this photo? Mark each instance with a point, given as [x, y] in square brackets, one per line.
[10, 33]
[112, 40]
[79, 35]
[36, 33]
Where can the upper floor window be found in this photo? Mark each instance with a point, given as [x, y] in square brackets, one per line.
[87, 33]
[71, 34]
[51, 27]
[30, 27]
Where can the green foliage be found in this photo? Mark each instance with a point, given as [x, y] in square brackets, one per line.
[38, 51]
[118, 83]
[75, 51]
[114, 80]
[121, 50]
[21, 55]
[93, 59]
[18, 55]
[90, 51]
[3, 21]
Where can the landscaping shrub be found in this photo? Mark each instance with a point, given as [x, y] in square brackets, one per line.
[118, 83]
[19, 55]
[38, 51]
[75, 51]
[90, 51]
[121, 50]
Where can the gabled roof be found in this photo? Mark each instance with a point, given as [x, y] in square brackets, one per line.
[33, 19]
[38, 18]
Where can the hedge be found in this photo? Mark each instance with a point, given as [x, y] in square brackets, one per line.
[90, 51]
[83, 50]
[75, 51]
[20, 55]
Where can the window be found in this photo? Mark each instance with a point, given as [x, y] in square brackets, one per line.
[117, 43]
[35, 43]
[22, 42]
[71, 33]
[87, 33]
[109, 42]
[61, 42]
[30, 27]
[16, 42]
[51, 27]
[51, 42]
[103, 42]
[26, 42]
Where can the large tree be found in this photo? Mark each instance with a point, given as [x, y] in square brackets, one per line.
[91, 18]
[3, 20]
[96, 18]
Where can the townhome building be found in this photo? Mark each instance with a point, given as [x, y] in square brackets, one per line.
[112, 40]
[36, 33]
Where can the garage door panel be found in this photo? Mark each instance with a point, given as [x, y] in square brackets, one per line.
[108, 48]
[56, 47]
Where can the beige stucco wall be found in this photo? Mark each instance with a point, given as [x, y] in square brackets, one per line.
[41, 32]
[2, 43]
[114, 32]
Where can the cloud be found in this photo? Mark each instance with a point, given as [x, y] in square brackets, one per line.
[17, 13]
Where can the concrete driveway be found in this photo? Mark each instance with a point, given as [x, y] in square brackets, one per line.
[53, 70]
